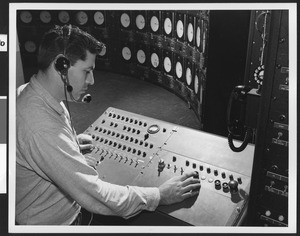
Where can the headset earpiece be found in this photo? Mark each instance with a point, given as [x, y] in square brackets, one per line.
[62, 65]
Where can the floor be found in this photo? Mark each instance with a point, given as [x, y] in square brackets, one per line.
[133, 95]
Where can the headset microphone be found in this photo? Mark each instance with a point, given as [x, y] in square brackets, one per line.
[86, 98]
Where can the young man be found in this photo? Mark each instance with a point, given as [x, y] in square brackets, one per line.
[53, 178]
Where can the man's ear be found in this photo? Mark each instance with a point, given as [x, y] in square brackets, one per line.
[62, 64]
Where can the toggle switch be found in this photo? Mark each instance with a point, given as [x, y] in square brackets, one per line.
[217, 184]
[146, 136]
[161, 165]
[233, 185]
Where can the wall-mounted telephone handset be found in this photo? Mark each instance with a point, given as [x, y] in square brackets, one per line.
[236, 117]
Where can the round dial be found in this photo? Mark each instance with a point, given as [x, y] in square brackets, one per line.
[190, 32]
[141, 56]
[45, 16]
[196, 84]
[154, 60]
[26, 17]
[259, 74]
[200, 94]
[154, 23]
[168, 26]
[99, 18]
[179, 28]
[188, 76]
[140, 22]
[153, 129]
[125, 20]
[167, 64]
[126, 53]
[198, 36]
[63, 17]
[81, 18]
[203, 42]
[30, 46]
[178, 69]
[103, 52]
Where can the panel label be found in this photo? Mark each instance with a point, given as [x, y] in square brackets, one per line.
[3, 42]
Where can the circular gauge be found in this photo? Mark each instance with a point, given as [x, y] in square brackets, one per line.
[99, 18]
[190, 32]
[178, 69]
[126, 53]
[26, 17]
[140, 22]
[188, 76]
[259, 74]
[63, 17]
[200, 94]
[198, 36]
[141, 56]
[154, 23]
[153, 129]
[179, 28]
[30, 46]
[196, 84]
[45, 16]
[125, 20]
[81, 17]
[103, 52]
[203, 42]
[154, 60]
[168, 26]
[167, 64]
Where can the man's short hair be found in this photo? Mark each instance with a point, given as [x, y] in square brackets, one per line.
[68, 40]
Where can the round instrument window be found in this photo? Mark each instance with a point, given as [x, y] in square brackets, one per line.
[125, 20]
[99, 18]
[154, 23]
[126, 53]
[26, 17]
[153, 129]
[63, 17]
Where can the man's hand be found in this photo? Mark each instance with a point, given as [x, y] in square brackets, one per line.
[86, 146]
[85, 142]
[179, 188]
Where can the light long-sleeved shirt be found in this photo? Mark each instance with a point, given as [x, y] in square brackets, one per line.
[53, 179]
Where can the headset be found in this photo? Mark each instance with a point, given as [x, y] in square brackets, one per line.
[62, 65]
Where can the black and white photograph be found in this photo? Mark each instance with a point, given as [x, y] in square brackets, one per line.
[149, 118]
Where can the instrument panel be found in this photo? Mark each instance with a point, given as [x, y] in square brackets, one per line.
[132, 149]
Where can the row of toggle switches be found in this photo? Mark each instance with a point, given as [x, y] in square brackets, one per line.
[128, 119]
[120, 146]
[107, 154]
[122, 137]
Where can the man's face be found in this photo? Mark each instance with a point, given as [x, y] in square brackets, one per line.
[81, 75]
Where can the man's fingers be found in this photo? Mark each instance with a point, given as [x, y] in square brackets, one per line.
[86, 146]
[190, 181]
[191, 187]
[188, 175]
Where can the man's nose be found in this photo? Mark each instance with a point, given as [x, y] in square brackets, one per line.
[90, 79]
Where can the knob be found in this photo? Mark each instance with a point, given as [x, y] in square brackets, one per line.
[217, 184]
[233, 185]
[268, 213]
[223, 175]
[216, 172]
[161, 165]
[208, 170]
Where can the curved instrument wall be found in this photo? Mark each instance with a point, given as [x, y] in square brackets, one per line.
[168, 48]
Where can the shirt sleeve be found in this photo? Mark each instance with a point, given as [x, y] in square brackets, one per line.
[57, 158]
